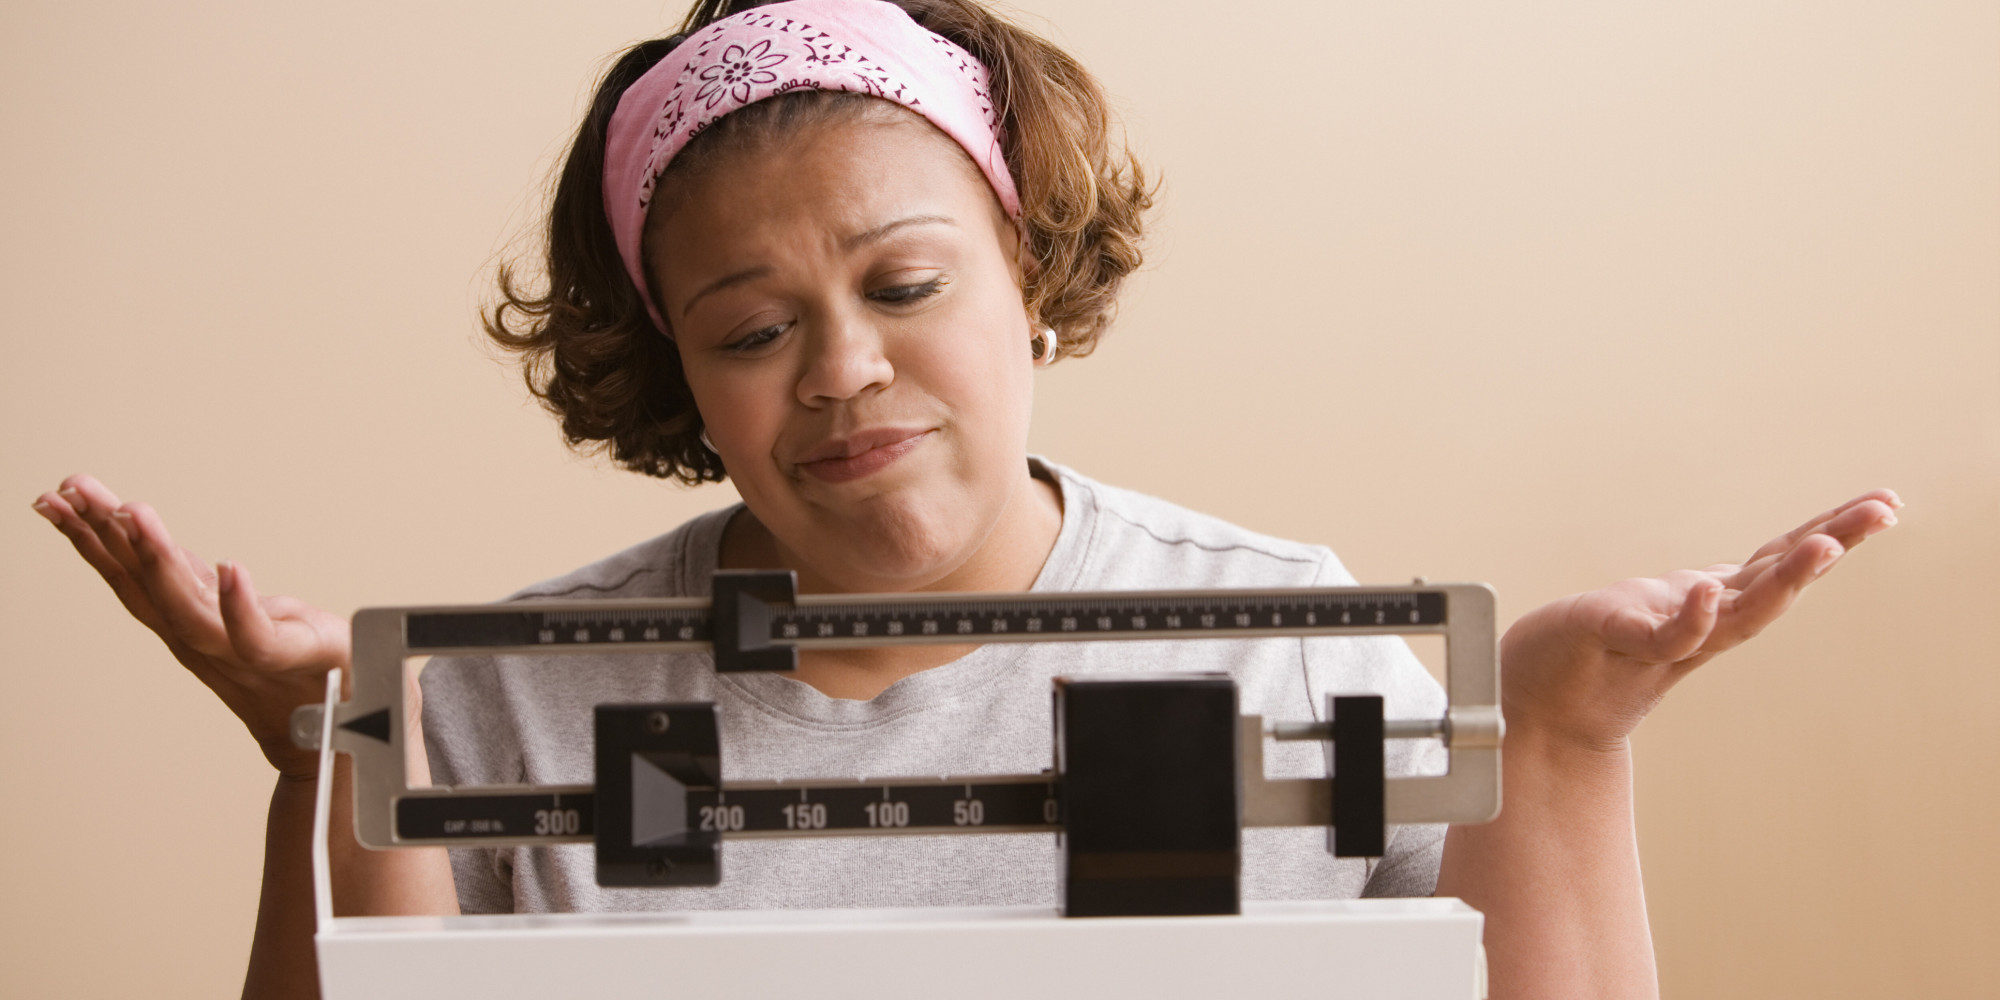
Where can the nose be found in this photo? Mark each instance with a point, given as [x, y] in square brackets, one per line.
[847, 358]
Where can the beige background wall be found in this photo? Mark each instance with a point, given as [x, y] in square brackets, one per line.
[1540, 293]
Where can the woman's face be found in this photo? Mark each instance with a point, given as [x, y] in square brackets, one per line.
[847, 305]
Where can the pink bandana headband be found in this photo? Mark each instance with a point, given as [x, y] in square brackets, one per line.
[863, 46]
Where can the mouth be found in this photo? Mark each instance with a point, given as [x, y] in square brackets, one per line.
[862, 454]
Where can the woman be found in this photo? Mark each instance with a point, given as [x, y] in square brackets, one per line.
[821, 246]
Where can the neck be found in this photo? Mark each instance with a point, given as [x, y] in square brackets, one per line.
[1009, 559]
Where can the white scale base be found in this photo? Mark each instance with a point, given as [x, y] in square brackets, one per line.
[1376, 948]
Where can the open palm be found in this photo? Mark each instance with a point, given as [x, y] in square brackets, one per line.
[1587, 668]
[263, 656]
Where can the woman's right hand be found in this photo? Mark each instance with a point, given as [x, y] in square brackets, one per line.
[263, 656]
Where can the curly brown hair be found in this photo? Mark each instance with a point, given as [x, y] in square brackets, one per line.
[588, 350]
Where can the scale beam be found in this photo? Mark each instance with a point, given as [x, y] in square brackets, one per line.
[811, 622]
[757, 621]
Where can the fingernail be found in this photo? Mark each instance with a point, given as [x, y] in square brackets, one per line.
[1889, 521]
[76, 500]
[42, 507]
[122, 516]
[1713, 600]
[225, 576]
[1826, 561]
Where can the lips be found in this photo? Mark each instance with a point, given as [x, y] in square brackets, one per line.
[861, 454]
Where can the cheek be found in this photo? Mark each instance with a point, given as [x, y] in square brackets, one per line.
[743, 409]
[979, 362]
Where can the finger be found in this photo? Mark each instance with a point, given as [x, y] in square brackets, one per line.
[251, 633]
[89, 490]
[63, 514]
[187, 607]
[90, 546]
[1887, 498]
[1693, 628]
[276, 632]
[199, 567]
[283, 609]
[98, 507]
[1771, 594]
[1860, 522]
[280, 606]
[1849, 528]
[1666, 638]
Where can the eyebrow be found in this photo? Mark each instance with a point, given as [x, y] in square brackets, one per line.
[882, 231]
[728, 282]
[851, 243]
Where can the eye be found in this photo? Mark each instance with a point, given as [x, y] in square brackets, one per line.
[754, 339]
[900, 294]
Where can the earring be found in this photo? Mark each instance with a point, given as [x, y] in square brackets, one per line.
[1043, 346]
[706, 443]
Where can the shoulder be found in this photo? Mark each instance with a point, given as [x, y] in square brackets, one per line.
[658, 567]
[1136, 540]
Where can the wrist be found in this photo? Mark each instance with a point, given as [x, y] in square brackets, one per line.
[1531, 744]
[296, 767]
[300, 769]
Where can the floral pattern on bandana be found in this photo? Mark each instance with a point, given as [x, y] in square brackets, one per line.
[739, 68]
[795, 56]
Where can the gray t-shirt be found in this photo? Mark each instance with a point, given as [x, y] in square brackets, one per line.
[505, 720]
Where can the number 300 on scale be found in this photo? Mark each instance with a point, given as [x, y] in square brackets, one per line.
[558, 822]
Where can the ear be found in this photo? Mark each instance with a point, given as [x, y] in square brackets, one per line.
[1026, 265]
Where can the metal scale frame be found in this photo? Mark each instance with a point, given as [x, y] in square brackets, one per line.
[1154, 779]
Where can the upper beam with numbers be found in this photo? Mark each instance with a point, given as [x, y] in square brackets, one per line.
[856, 621]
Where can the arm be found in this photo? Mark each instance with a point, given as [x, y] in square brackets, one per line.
[365, 882]
[1557, 875]
[263, 656]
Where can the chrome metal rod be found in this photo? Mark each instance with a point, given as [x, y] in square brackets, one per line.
[1394, 729]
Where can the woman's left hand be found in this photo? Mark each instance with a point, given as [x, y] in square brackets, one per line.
[1586, 669]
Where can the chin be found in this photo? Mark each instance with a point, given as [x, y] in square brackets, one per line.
[897, 546]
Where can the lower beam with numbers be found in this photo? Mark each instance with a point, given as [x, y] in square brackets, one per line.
[990, 803]
[995, 804]
[493, 817]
